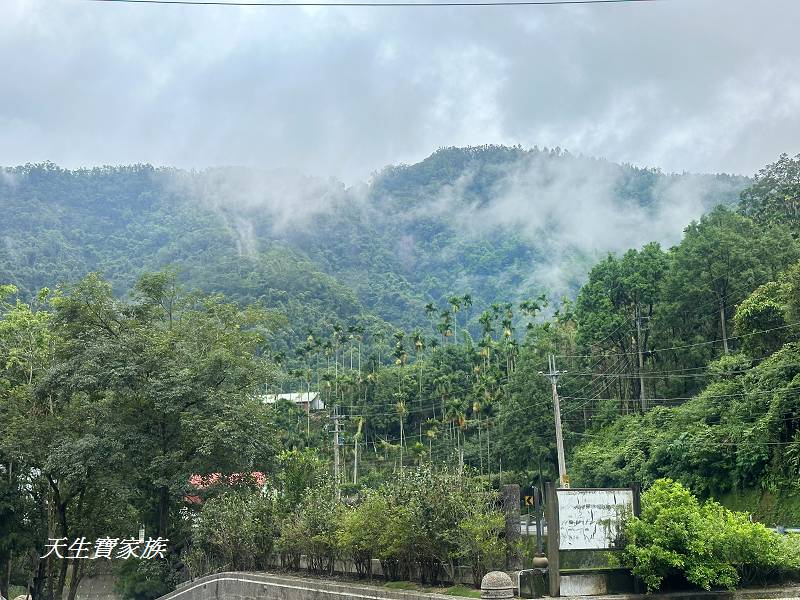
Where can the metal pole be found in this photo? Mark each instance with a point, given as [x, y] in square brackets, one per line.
[527, 525]
[537, 504]
[355, 461]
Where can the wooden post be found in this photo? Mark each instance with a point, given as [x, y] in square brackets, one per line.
[553, 540]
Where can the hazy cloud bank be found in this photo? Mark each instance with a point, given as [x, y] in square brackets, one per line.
[709, 86]
[568, 207]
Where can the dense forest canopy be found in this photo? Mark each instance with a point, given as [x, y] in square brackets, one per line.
[422, 307]
[502, 222]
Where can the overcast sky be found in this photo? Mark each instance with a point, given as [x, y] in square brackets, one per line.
[697, 85]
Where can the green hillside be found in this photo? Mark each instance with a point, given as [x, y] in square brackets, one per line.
[116, 390]
[453, 223]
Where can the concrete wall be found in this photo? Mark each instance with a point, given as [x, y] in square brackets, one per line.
[256, 586]
[97, 587]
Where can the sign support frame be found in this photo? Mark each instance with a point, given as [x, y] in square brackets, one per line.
[554, 529]
[553, 540]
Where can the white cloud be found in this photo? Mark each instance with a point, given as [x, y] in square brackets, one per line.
[700, 86]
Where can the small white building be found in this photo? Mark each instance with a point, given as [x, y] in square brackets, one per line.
[308, 401]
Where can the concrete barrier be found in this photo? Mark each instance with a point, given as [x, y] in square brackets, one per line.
[259, 586]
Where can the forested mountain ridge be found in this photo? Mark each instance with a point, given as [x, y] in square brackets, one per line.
[499, 222]
[679, 362]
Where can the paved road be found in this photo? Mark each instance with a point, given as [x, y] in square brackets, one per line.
[532, 528]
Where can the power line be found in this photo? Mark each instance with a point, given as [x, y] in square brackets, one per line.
[378, 4]
[761, 368]
[604, 386]
[731, 443]
[744, 289]
[677, 400]
[442, 449]
[653, 375]
[675, 403]
[605, 379]
[722, 421]
[733, 337]
[601, 357]
[744, 394]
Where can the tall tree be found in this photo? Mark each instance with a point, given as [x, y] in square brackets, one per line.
[721, 256]
[774, 197]
[180, 374]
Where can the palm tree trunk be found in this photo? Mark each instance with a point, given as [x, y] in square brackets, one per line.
[460, 459]
[480, 444]
[722, 324]
[401, 442]
[355, 460]
[488, 453]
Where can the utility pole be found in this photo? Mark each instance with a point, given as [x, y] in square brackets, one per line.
[336, 475]
[553, 374]
[641, 359]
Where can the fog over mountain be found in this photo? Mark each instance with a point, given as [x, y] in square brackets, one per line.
[316, 283]
[497, 222]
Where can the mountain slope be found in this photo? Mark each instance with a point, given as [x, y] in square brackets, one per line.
[501, 223]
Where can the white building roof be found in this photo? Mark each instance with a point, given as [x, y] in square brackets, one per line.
[312, 398]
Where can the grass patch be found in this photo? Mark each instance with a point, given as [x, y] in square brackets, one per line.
[457, 590]
[403, 585]
[462, 590]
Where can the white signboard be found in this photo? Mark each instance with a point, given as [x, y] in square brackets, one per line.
[592, 519]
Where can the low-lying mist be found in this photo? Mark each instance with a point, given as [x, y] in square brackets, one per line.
[567, 209]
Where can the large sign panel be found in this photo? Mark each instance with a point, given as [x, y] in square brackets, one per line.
[592, 519]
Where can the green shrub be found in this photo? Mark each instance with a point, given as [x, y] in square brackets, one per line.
[481, 542]
[299, 470]
[290, 541]
[426, 520]
[708, 544]
[311, 530]
[422, 521]
[143, 579]
[236, 531]
[397, 549]
[361, 532]
[319, 515]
